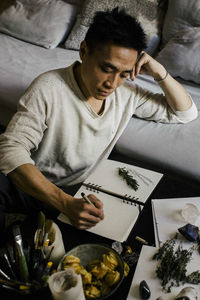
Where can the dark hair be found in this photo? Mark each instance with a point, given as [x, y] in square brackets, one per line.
[115, 27]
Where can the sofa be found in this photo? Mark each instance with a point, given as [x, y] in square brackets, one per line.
[46, 35]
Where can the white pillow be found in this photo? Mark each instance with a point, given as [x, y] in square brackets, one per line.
[181, 55]
[41, 22]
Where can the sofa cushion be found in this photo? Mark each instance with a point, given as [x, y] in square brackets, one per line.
[181, 15]
[46, 23]
[181, 55]
[163, 147]
[147, 13]
[20, 63]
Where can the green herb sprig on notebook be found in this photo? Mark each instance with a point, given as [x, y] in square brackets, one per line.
[125, 174]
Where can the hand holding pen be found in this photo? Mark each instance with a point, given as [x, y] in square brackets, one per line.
[83, 213]
[94, 204]
[87, 199]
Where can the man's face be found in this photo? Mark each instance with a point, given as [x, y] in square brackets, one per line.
[104, 69]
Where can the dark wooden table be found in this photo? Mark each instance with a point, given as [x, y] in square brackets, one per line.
[168, 187]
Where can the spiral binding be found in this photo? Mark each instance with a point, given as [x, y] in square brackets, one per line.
[126, 198]
[92, 187]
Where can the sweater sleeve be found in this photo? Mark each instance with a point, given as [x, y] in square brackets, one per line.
[25, 130]
[154, 107]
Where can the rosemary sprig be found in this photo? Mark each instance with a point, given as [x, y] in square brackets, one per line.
[128, 178]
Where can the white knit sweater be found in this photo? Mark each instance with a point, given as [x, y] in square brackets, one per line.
[57, 130]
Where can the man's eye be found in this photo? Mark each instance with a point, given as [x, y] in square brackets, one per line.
[124, 75]
[105, 70]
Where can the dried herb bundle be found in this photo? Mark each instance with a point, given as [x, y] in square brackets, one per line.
[128, 178]
[173, 265]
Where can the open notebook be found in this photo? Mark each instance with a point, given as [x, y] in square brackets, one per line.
[122, 204]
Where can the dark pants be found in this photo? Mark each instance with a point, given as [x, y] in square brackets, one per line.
[12, 200]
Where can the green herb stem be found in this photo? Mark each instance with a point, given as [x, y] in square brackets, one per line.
[128, 178]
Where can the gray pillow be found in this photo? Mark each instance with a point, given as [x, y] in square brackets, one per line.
[181, 14]
[181, 55]
[45, 23]
[146, 11]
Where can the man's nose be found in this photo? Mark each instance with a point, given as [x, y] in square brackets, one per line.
[112, 81]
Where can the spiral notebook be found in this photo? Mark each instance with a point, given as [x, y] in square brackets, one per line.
[122, 204]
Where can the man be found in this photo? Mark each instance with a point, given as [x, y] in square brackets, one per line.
[69, 120]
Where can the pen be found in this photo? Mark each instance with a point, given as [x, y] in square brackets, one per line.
[86, 199]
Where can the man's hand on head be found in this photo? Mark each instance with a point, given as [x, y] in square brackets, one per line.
[147, 65]
[134, 74]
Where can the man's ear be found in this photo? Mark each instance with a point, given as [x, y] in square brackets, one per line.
[83, 49]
